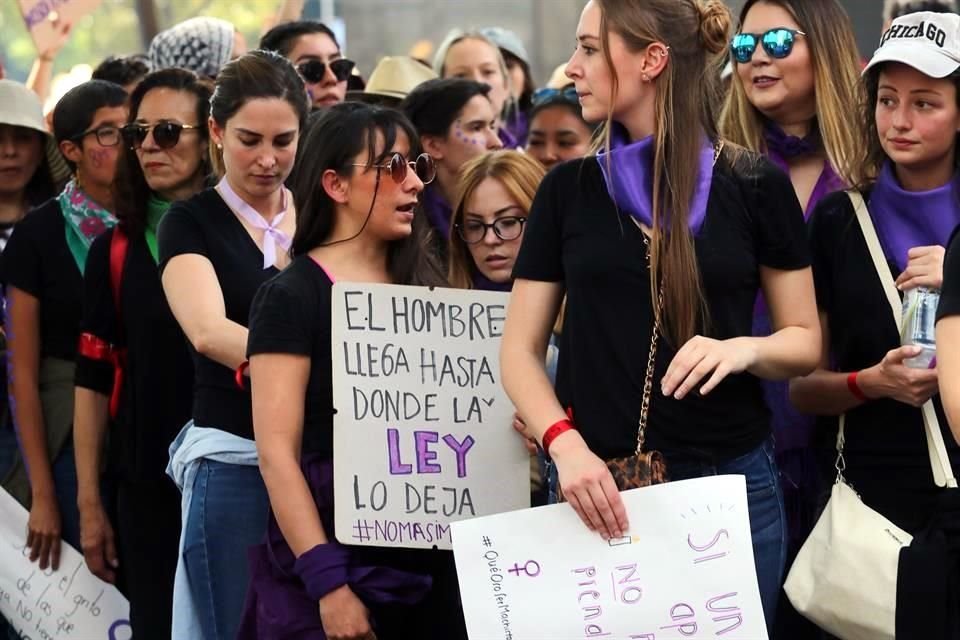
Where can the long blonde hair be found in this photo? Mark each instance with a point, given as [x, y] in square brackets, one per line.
[454, 36]
[687, 98]
[519, 174]
[836, 73]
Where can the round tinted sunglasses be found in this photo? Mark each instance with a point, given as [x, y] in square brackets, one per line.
[313, 71]
[778, 43]
[423, 166]
[543, 95]
[166, 135]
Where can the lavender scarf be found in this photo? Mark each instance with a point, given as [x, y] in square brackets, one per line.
[629, 177]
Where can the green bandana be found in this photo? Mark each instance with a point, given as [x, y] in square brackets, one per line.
[156, 207]
[84, 221]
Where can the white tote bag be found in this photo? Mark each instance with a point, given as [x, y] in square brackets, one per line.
[845, 577]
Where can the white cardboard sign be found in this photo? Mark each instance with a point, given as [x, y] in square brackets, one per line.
[44, 605]
[685, 570]
[422, 432]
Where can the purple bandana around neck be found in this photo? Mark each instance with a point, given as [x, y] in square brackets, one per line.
[438, 211]
[908, 219]
[788, 146]
[629, 178]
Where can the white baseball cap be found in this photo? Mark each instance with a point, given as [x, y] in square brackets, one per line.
[927, 41]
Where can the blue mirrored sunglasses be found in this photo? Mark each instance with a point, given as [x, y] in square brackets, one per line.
[778, 43]
[543, 95]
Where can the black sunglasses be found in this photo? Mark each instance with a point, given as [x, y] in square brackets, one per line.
[505, 228]
[313, 70]
[423, 166]
[568, 94]
[166, 135]
[778, 43]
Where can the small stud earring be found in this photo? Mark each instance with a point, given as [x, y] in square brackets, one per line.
[219, 146]
[646, 78]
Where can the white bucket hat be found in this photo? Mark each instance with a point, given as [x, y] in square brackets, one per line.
[20, 107]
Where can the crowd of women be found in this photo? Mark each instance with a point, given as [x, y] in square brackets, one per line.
[679, 239]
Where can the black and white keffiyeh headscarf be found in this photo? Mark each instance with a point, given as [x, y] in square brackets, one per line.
[202, 45]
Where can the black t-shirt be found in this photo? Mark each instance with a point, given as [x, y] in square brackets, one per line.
[576, 235]
[950, 294]
[291, 314]
[206, 226]
[157, 390]
[882, 432]
[38, 261]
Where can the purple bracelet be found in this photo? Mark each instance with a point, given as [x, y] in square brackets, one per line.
[323, 569]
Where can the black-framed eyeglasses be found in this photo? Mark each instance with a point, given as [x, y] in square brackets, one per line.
[166, 135]
[423, 166]
[543, 95]
[505, 228]
[778, 43]
[313, 71]
[107, 135]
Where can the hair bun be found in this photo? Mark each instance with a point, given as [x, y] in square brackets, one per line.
[715, 21]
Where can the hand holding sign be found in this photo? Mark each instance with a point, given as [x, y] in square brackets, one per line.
[44, 603]
[684, 570]
[50, 21]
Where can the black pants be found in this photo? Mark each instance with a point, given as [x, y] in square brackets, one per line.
[148, 535]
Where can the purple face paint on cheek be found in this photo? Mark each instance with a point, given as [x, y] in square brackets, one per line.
[463, 137]
[99, 158]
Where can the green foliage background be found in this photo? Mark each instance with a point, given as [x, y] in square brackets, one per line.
[113, 29]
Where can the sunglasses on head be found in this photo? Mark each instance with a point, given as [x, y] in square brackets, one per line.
[544, 95]
[313, 71]
[778, 43]
[166, 135]
[423, 166]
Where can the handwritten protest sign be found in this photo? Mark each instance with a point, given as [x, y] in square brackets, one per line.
[47, 605]
[684, 571]
[45, 17]
[422, 432]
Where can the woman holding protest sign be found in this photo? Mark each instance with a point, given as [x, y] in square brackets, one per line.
[357, 187]
[713, 238]
[215, 250]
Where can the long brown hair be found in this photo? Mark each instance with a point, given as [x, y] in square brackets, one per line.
[519, 174]
[688, 94]
[836, 70]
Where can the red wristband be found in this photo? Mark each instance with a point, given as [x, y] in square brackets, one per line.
[555, 430]
[855, 388]
[238, 374]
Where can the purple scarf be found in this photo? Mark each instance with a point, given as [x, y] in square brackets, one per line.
[908, 219]
[782, 148]
[630, 178]
[438, 211]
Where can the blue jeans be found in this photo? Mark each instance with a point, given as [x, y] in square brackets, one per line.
[767, 514]
[228, 514]
[765, 503]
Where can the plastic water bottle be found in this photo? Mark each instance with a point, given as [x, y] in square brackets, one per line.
[919, 325]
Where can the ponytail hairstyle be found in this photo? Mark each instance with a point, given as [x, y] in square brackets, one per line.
[688, 94]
